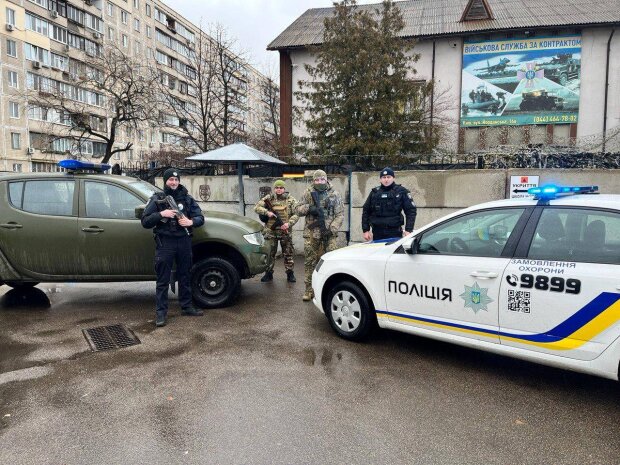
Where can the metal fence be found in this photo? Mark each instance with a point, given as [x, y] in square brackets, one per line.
[531, 156]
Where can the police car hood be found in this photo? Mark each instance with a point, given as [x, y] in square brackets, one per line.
[359, 251]
[232, 219]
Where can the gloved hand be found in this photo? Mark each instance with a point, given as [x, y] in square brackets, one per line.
[313, 210]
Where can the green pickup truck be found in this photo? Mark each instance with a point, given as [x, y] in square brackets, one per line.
[78, 227]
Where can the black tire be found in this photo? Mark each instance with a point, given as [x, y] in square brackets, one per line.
[20, 285]
[357, 320]
[215, 283]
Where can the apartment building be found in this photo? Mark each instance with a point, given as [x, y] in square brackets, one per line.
[49, 43]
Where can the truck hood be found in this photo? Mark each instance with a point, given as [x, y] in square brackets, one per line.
[232, 219]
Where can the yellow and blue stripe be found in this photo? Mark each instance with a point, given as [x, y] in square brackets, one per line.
[595, 317]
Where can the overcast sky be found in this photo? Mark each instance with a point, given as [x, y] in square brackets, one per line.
[254, 23]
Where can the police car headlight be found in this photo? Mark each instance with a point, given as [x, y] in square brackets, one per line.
[255, 238]
[319, 265]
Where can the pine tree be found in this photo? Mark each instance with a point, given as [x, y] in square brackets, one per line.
[362, 99]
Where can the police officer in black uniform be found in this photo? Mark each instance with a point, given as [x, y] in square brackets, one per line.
[382, 209]
[173, 237]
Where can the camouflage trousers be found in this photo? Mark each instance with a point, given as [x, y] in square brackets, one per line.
[286, 243]
[314, 248]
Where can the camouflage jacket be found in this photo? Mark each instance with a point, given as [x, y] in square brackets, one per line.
[285, 207]
[333, 208]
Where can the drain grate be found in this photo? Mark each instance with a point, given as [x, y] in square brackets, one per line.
[110, 337]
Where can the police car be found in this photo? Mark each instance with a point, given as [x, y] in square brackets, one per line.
[537, 279]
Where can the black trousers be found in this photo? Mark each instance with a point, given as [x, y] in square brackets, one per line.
[382, 233]
[168, 250]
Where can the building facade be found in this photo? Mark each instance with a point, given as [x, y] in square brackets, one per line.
[49, 43]
[511, 73]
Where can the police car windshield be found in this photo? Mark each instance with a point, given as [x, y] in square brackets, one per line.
[145, 188]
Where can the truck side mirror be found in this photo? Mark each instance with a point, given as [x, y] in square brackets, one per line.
[139, 211]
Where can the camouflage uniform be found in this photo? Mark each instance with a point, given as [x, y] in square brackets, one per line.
[284, 206]
[315, 243]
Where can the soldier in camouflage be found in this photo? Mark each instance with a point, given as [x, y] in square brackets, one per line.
[278, 208]
[324, 218]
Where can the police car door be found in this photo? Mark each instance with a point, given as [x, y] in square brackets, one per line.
[560, 294]
[452, 280]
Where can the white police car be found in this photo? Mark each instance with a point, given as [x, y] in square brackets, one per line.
[537, 279]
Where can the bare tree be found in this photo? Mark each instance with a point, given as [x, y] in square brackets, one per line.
[266, 136]
[112, 92]
[207, 107]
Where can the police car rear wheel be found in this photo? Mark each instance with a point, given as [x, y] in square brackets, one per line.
[215, 283]
[349, 312]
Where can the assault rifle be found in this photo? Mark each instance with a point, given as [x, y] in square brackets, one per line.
[320, 213]
[278, 222]
[169, 202]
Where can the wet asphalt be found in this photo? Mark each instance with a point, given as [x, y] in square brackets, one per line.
[267, 382]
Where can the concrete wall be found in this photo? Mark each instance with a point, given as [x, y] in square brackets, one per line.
[435, 193]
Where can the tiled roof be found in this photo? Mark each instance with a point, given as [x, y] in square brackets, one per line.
[428, 18]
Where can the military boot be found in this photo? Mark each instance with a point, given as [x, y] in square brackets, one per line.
[268, 277]
[160, 321]
[308, 295]
[290, 276]
[191, 311]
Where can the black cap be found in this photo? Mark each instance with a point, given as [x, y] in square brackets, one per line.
[171, 172]
[386, 172]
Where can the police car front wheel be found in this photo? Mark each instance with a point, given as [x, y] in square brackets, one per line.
[349, 312]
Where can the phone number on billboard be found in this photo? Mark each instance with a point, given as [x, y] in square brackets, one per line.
[555, 119]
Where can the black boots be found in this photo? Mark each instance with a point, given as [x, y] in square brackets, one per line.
[191, 311]
[290, 276]
[160, 321]
[268, 277]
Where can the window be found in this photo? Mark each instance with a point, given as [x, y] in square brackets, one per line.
[136, 24]
[124, 17]
[11, 48]
[59, 34]
[148, 10]
[44, 197]
[125, 41]
[16, 140]
[13, 79]
[480, 234]
[577, 235]
[109, 201]
[13, 109]
[17, 167]
[36, 24]
[136, 3]
[148, 31]
[110, 9]
[110, 33]
[10, 16]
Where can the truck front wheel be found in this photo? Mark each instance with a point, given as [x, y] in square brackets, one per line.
[215, 283]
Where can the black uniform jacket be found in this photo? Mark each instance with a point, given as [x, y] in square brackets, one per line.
[382, 209]
[169, 226]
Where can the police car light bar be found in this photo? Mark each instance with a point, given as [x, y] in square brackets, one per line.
[76, 165]
[551, 192]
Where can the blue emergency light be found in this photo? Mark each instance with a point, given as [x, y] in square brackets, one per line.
[551, 192]
[76, 165]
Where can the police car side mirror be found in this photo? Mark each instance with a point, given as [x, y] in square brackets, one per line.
[412, 247]
[139, 211]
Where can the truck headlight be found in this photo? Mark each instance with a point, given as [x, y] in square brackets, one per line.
[255, 238]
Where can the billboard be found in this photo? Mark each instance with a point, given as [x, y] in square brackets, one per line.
[521, 81]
